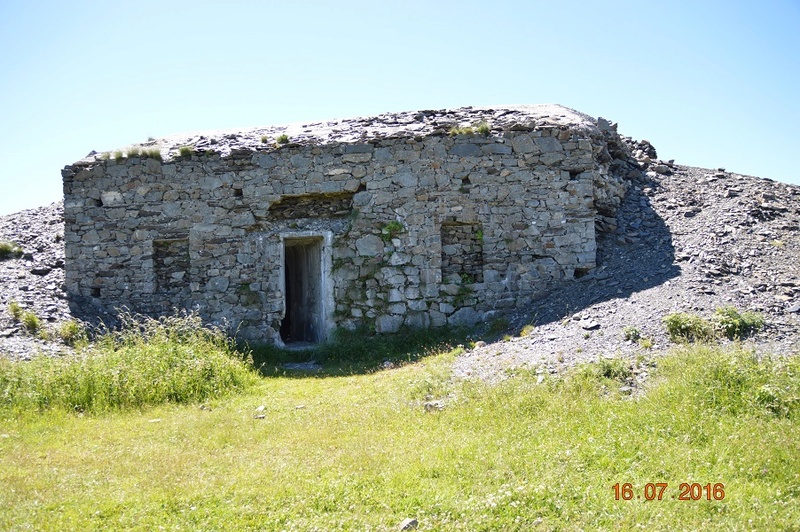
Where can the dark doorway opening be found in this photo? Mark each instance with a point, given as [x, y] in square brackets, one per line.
[303, 320]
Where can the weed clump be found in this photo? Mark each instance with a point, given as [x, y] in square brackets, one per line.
[170, 360]
[683, 327]
[282, 139]
[27, 318]
[185, 151]
[726, 321]
[72, 333]
[482, 128]
[9, 250]
[391, 229]
[457, 130]
[31, 321]
[153, 153]
[631, 333]
[736, 325]
[15, 310]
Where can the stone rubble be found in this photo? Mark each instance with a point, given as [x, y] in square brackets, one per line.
[35, 280]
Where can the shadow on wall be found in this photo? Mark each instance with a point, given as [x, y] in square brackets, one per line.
[637, 255]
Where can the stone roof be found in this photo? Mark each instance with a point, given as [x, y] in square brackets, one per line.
[365, 129]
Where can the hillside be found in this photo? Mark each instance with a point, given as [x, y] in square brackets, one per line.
[685, 239]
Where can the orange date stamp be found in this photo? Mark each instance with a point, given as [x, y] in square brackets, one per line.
[658, 491]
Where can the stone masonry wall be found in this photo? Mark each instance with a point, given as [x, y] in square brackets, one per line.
[424, 230]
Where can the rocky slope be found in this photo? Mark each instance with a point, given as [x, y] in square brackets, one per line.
[685, 239]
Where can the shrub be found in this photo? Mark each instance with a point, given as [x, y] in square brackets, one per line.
[171, 360]
[684, 327]
[9, 249]
[185, 151]
[264, 139]
[527, 330]
[282, 139]
[134, 152]
[483, 128]
[735, 325]
[118, 156]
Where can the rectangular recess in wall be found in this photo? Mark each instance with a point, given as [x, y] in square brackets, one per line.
[462, 251]
[171, 265]
[317, 205]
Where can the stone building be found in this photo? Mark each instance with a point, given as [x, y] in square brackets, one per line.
[406, 219]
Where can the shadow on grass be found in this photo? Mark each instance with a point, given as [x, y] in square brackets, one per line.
[356, 352]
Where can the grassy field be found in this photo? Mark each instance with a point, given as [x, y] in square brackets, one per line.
[359, 451]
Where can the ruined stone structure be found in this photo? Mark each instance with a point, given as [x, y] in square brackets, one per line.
[409, 219]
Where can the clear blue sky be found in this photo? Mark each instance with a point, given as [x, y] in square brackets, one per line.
[709, 83]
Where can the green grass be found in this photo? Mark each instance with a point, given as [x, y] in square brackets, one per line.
[360, 351]
[282, 139]
[186, 151]
[361, 452]
[150, 362]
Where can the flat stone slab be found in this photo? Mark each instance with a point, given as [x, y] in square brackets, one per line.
[238, 142]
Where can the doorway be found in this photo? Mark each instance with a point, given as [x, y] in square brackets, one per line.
[303, 290]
